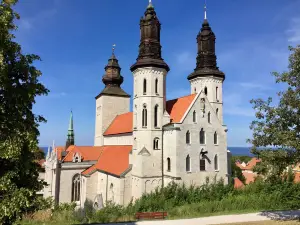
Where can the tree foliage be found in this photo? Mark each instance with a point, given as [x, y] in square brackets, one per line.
[277, 128]
[19, 85]
[236, 171]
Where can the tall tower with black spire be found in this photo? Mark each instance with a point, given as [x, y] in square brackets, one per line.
[149, 103]
[206, 76]
[71, 137]
[112, 101]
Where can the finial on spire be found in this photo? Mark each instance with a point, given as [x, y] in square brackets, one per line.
[205, 10]
[150, 4]
[113, 48]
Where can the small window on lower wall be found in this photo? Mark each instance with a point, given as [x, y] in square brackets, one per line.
[188, 163]
[216, 162]
[202, 164]
[169, 164]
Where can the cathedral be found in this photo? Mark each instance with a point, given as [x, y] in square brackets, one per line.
[182, 140]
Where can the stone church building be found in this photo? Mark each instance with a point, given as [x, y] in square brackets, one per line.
[182, 140]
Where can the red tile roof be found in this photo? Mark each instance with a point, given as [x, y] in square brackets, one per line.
[88, 153]
[249, 165]
[176, 108]
[238, 183]
[113, 160]
[250, 177]
[121, 124]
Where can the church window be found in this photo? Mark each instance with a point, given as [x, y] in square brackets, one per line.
[155, 143]
[202, 164]
[111, 190]
[188, 163]
[155, 116]
[169, 164]
[217, 93]
[145, 86]
[195, 90]
[217, 112]
[188, 137]
[156, 86]
[216, 162]
[208, 117]
[202, 136]
[215, 138]
[205, 90]
[135, 117]
[144, 116]
[76, 188]
[194, 116]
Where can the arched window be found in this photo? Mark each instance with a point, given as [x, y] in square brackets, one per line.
[169, 164]
[76, 188]
[144, 115]
[194, 116]
[155, 143]
[216, 162]
[188, 137]
[202, 136]
[188, 164]
[145, 86]
[205, 90]
[111, 190]
[156, 86]
[155, 116]
[217, 112]
[217, 93]
[208, 117]
[215, 138]
[202, 164]
[195, 90]
[135, 117]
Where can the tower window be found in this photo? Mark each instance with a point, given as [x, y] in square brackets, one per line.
[155, 143]
[144, 116]
[145, 86]
[216, 162]
[169, 164]
[215, 138]
[194, 116]
[76, 188]
[156, 86]
[188, 163]
[202, 164]
[188, 137]
[155, 116]
[205, 90]
[217, 112]
[208, 117]
[202, 136]
[217, 93]
[195, 90]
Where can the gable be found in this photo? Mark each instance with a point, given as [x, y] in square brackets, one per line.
[88, 153]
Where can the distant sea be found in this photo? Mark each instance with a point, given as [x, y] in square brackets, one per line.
[233, 150]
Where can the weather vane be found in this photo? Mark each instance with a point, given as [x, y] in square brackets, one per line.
[113, 48]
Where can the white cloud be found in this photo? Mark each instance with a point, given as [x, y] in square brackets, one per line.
[234, 104]
[249, 85]
[294, 31]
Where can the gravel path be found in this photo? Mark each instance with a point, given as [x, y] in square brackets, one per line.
[250, 217]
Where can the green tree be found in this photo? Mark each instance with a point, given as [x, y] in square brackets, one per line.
[277, 126]
[236, 171]
[19, 85]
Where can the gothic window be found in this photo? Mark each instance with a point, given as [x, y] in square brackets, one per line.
[155, 143]
[194, 116]
[169, 164]
[156, 86]
[145, 86]
[216, 162]
[188, 164]
[188, 137]
[217, 93]
[144, 116]
[195, 90]
[205, 90]
[215, 138]
[76, 188]
[217, 112]
[135, 116]
[208, 117]
[202, 164]
[155, 116]
[202, 136]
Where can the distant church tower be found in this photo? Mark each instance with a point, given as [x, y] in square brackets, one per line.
[149, 103]
[112, 101]
[207, 77]
[70, 138]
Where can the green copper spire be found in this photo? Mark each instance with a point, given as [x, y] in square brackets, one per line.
[70, 139]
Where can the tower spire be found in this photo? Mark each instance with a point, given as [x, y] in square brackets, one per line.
[205, 17]
[70, 137]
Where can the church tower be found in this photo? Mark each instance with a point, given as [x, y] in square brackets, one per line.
[71, 138]
[112, 101]
[149, 103]
[207, 77]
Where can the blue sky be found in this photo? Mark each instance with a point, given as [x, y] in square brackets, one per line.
[74, 40]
